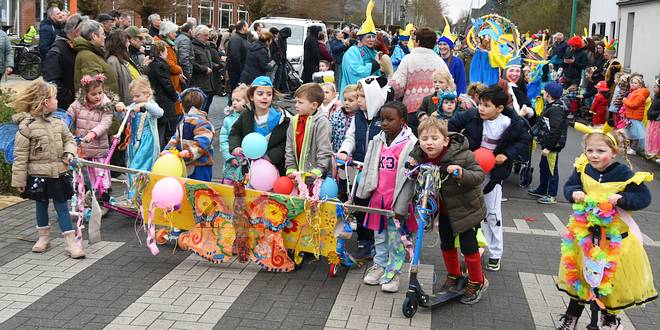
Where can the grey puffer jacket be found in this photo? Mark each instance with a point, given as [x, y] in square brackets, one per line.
[40, 148]
[184, 48]
[6, 53]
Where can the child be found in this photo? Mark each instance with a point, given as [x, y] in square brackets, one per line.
[635, 104]
[457, 218]
[42, 151]
[588, 86]
[498, 128]
[653, 130]
[445, 106]
[572, 101]
[144, 145]
[472, 99]
[599, 106]
[232, 171]
[91, 113]
[331, 101]
[341, 119]
[194, 136]
[627, 279]
[442, 81]
[616, 119]
[308, 148]
[164, 92]
[372, 93]
[552, 138]
[325, 75]
[264, 118]
[384, 180]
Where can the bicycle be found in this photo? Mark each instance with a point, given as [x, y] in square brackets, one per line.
[27, 62]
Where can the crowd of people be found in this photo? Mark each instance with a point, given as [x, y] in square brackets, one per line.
[356, 102]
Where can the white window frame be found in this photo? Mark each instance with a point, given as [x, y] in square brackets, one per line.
[176, 5]
[243, 14]
[210, 9]
[225, 8]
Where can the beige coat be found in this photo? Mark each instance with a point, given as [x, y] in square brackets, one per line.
[40, 148]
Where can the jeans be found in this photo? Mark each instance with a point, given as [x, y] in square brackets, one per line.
[390, 253]
[549, 180]
[63, 216]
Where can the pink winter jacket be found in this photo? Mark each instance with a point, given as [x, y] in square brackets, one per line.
[98, 120]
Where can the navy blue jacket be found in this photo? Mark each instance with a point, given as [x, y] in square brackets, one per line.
[364, 132]
[556, 114]
[48, 30]
[337, 48]
[514, 141]
[634, 197]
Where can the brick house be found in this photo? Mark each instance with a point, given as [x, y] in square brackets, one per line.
[20, 14]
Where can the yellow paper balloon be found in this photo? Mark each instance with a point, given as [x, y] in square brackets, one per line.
[169, 164]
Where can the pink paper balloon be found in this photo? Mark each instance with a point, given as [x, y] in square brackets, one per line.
[263, 175]
[167, 193]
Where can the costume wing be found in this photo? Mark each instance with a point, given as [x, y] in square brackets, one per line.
[7, 139]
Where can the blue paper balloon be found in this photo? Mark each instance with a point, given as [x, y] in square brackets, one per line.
[329, 189]
[254, 145]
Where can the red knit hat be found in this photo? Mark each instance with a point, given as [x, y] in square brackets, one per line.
[601, 86]
[576, 42]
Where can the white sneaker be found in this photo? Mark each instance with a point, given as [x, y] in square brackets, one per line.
[391, 286]
[657, 160]
[374, 273]
[631, 152]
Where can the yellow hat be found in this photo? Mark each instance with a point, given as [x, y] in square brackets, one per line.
[447, 36]
[368, 25]
[405, 34]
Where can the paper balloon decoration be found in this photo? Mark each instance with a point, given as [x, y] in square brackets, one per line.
[283, 185]
[254, 145]
[169, 164]
[485, 158]
[329, 189]
[167, 193]
[263, 175]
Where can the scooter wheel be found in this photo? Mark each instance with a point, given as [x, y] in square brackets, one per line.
[409, 307]
[161, 236]
[333, 270]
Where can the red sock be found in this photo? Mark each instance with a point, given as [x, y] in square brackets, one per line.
[475, 273]
[451, 262]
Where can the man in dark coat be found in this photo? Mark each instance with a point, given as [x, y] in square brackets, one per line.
[50, 28]
[202, 70]
[312, 53]
[338, 45]
[60, 61]
[257, 61]
[154, 25]
[575, 61]
[559, 48]
[236, 53]
[278, 54]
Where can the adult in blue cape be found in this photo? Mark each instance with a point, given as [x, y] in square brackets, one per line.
[361, 61]
[454, 63]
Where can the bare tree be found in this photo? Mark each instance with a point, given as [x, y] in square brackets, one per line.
[91, 8]
[144, 8]
[263, 8]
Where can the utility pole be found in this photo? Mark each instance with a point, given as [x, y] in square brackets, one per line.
[573, 17]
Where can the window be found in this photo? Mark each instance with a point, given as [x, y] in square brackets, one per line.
[182, 10]
[601, 29]
[593, 28]
[206, 12]
[8, 15]
[612, 30]
[243, 14]
[226, 10]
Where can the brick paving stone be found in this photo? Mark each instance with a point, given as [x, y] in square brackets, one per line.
[185, 302]
[21, 294]
[363, 306]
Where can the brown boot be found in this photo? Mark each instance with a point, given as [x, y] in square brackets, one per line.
[71, 247]
[43, 243]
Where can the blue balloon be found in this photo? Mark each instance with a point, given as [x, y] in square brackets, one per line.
[329, 189]
[254, 145]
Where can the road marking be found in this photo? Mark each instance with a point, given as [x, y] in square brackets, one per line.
[361, 306]
[31, 276]
[522, 226]
[556, 222]
[546, 302]
[194, 295]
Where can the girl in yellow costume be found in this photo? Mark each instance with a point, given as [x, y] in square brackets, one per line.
[603, 260]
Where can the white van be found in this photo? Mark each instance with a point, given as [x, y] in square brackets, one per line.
[299, 27]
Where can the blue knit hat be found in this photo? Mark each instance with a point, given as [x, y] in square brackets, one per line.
[262, 81]
[446, 40]
[554, 89]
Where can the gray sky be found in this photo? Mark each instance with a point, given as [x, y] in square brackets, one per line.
[454, 7]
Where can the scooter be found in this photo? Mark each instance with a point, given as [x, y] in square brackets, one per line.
[429, 181]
